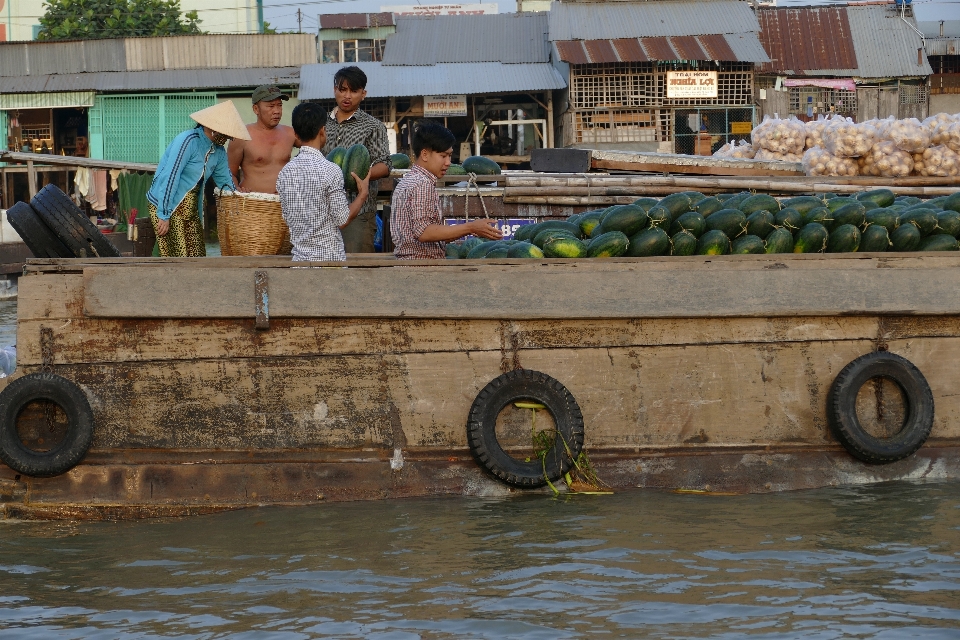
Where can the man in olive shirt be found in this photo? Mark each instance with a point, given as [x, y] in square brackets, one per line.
[346, 126]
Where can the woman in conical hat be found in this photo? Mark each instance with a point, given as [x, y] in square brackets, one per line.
[176, 196]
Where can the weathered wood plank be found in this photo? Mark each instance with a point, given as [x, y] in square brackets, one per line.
[678, 163]
[91, 340]
[535, 291]
[709, 395]
[50, 296]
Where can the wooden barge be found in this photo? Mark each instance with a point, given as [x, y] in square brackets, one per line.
[225, 383]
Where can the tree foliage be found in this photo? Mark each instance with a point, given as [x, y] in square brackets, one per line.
[90, 19]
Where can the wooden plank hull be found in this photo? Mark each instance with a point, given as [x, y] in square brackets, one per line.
[705, 374]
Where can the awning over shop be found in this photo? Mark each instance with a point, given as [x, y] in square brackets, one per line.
[730, 47]
[473, 78]
[9, 101]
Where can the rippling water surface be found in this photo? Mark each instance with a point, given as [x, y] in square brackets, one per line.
[879, 561]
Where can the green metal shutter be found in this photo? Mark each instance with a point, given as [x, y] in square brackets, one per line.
[95, 129]
[6, 134]
[137, 128]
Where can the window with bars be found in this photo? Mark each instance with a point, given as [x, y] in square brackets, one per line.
[644, 84]
[913, 94]
[810, 101]
[337, 51]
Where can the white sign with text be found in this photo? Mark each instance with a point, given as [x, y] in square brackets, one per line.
[443, 106]
[440, 9]
[692, 84]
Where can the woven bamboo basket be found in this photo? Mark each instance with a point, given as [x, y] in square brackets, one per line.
[251, 224]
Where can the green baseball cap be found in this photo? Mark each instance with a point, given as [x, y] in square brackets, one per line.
[268, 92]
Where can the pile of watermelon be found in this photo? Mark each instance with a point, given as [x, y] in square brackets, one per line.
[690, 223]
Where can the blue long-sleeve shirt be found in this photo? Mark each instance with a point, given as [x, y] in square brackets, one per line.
[181, 167]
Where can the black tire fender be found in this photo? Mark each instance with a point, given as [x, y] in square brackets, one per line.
[75, 443]
[842, 411]
[68, 222]
[35, 234]
[524, 384]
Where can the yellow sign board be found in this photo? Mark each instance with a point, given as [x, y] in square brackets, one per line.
[741, 127]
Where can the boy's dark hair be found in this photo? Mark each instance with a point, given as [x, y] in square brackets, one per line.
[431, 135]
[308, 118]
[352, 77]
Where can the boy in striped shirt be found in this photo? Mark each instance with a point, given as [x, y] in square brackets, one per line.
[416, 223]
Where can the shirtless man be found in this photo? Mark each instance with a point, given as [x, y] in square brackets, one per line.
[261, 158]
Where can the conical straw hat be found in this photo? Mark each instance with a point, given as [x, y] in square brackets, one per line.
[223, 118]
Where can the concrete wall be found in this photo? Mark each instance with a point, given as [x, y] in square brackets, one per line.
[948, 103]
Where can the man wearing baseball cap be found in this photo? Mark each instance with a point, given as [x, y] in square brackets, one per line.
[175, 197]
[255, 164]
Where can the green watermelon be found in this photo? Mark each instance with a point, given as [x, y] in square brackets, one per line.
[626, 218]
[690, 221]
[868, 205]
[562, 225]
[735, 201]
[499, 251]
[880, 197]
[707, 206]
[481, 166]
[337, 156]
[906, 237]
[835, 203]
[821, 215]
[939, 242]
[646, 203]
[713, 243]
[803, 204]
[908, 201]
[759, 202]
[952, 202]
[399, 161]
[760, 223]
[589, 221]
[660, 217]
[695, 197]
[780, 241]
[675, 203]
[524, 250]
[650, 242]
[812, 238]
[748, 244]
[853, 213]
[575, 219]
[789, 218]
[608, 245]
[683, 243]
[468, 245]
[874, 238]
[455, 170]
[452, 250]
[357, 160]
[924, 219]
[732, 222]
[844, 239]
[547, 235]
[887, 218]
[481, 250]
[949, 222]
[564, 247]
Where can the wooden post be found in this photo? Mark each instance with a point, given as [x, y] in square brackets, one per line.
[549, 132]
[6, 192]
[31, 178]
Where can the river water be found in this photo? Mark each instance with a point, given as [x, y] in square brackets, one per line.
[879, 561]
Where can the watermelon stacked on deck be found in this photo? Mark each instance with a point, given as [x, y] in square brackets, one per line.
[690, 223]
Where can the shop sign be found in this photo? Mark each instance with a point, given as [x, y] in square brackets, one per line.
[443, 106]
[741, 127]
[692, 84]
[507, 227]
[441, 9]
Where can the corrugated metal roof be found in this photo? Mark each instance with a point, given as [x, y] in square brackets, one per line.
[503, 37]
[741, 47]
[886, 47]
[943, 46]
[863, 41]
[805, 39]
[316, 80]
[153, 54]
[10, 101]
[151, 80]
[355, 20]
[665, 18]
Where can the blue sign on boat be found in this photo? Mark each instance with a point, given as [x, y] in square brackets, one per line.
[507, 226]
